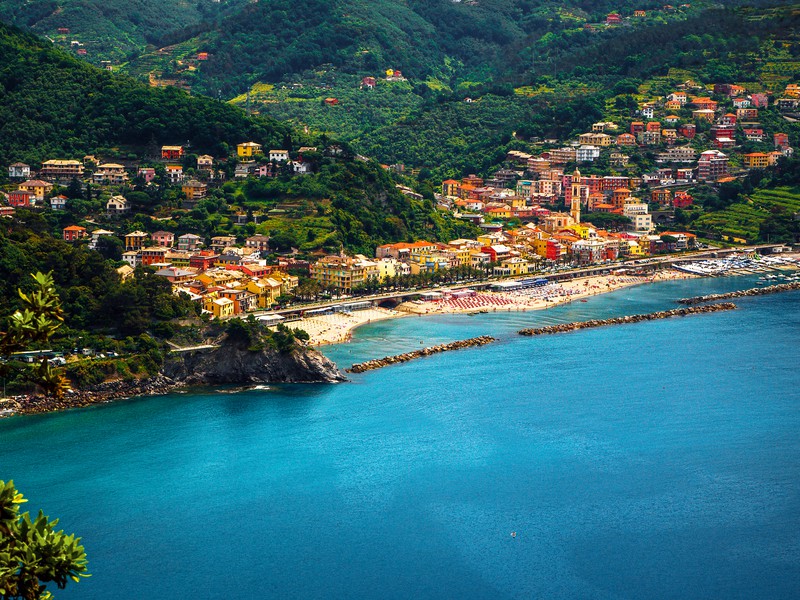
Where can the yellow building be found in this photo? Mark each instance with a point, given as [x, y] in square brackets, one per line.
[451, 187]
[595, 139]
[266, 291]
[248, 149]
[37, 187]
[135, 240]
[222, 308]
[343, 272]
[634, 249]
[582, 230]
[756, 160]
[513, 267]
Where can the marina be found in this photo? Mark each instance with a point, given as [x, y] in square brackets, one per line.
[740, 264]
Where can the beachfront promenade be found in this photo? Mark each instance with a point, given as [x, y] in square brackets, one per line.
[648, 264]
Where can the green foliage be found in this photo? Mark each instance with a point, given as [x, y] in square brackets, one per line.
[32, 553]
[52, 105]
[253, 335]
[109, 29]
[91, 294]
[38, 320]
[765, 215]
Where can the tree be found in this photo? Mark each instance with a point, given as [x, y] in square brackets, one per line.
[33, 553]
[40, 317]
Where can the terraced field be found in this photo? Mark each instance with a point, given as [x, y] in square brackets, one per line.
[743, 220]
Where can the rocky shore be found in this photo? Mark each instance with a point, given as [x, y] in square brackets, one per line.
[665, 314]
[772, 289]
[229, 363]
[97, 394]
[401, 358]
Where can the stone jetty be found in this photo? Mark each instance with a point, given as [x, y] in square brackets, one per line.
[771, 289]
[401, 358]
[664, 314]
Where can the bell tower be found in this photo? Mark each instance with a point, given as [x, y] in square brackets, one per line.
[575, 200]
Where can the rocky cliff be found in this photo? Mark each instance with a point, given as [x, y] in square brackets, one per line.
[235, 363]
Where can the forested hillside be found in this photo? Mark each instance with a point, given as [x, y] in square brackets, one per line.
[111, 29]
[53, 105]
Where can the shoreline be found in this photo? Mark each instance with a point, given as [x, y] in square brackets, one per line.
[338, 327]
[325, 330]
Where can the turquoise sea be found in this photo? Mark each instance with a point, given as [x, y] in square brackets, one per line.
[655, 460]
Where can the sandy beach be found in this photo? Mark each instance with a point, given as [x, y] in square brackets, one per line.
[336, 328]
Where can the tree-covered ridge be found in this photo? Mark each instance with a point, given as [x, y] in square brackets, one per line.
[53, 105]
[273, 41]
[110, 29]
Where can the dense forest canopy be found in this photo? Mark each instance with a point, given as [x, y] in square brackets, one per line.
[53, 105]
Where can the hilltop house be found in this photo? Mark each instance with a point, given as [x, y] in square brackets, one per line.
[135, 240]
[110, 174]
[147, 173]
[163, 238]
[248, 149]
[73, 232]
[117, 205]
[188, 241]
[19, 171]
[205, 162]
[171, 152]
[174, 173]
[194, 190]
[58, 202]
[21, 199]
[60, 170]
[278, 155]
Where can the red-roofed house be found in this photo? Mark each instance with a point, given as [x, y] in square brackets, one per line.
[781, 140]
[682, 200]
[73, 232]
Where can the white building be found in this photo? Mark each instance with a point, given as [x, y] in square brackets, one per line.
[117, 205]
[278, 155]
[587, 153]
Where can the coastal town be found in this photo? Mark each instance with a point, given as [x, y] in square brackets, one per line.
[520, 230]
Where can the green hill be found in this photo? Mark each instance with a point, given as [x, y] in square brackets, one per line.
[111, 29]
[52, 104]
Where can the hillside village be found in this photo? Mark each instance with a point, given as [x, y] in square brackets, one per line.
[694, 135]
[689, 139]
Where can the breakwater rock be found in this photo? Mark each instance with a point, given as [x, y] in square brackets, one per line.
[771, 289]
[664, 314]
[401, 358]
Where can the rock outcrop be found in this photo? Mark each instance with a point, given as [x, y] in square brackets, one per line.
[401, 358]
[665, 314]
[229, 363]
[233, 363]
[771, 289]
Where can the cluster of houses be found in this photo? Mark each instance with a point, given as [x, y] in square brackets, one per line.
[225, 278]
[34, 188]
[255, 162]
[500, 253]
[668, 130]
